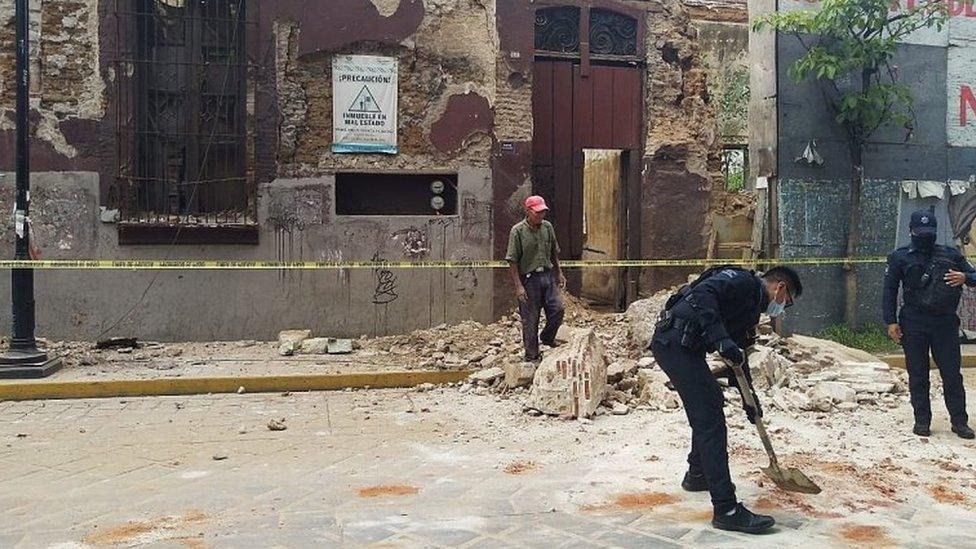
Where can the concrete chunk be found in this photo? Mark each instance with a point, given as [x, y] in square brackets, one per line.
[571, 381]
[315, 346]
[487, 376]
[832, 391]
[290, 341]
[339, 346]
[519, 374]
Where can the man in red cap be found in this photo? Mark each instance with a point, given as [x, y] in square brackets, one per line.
[533, 262]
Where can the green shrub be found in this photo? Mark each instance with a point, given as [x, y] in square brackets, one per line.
[872, 338]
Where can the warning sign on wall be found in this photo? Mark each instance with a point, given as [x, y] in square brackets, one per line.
[364, 104]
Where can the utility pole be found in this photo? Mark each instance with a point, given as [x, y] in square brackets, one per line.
[23, 360]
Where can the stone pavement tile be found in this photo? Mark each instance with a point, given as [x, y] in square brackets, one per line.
[496, 525]
[627, 538]
[618, 519]
[671, 531]
[309, 521]
[791, 522]
[10, 539]
[488, 543]
[531, 534]
[448, 533]
[710, 537]
[576, 524]
[364, 534]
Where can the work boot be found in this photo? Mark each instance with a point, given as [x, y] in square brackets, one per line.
[696, 482]
[963, 430]
[742, 520]
[553, 344]
[922, 429]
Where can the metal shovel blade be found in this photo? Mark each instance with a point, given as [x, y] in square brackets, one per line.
[791, 479]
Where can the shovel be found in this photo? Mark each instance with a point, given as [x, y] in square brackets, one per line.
[790, 479]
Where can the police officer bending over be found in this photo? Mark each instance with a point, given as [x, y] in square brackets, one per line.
[931, 278]
[717, 312]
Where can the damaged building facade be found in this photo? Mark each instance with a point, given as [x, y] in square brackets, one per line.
[804, 155]
[190, 129]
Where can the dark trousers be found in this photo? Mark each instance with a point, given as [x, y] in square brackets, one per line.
[542, 293]
[703, 400]
[921, 333]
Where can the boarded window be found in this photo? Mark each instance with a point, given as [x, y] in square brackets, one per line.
[396, 194]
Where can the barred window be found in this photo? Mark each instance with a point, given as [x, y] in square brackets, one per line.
[185, 128]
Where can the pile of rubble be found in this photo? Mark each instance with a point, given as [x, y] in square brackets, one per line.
[805, 374]
[493, 348]
[606, 368]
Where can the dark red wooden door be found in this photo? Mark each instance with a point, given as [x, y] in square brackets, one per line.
[572, 112]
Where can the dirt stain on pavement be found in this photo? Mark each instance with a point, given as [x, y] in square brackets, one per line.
[519, 467]
[684, 514]
[634, 501]
[866, 536]
[387, 490]
[778, 500]
[148, 531]
[947, 495]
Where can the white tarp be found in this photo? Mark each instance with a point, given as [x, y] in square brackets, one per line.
[364, 104]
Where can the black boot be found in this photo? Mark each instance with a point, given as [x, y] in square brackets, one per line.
[694, 483]
[963, 430]
[922, 429]
[742, 520]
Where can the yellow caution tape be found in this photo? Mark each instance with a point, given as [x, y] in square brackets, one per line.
[209, 264]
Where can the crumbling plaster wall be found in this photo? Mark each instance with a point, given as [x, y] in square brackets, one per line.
[446, 95]
[299, 223]
[681, 169]
[67, 86]
[725, 48]
[466, 106]
[447, 90]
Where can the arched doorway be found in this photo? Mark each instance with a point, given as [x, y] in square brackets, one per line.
[587, 112]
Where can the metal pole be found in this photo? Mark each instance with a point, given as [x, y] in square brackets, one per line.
[23, 359]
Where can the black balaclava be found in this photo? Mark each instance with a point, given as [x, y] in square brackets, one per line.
[923, 242]
[923, 230]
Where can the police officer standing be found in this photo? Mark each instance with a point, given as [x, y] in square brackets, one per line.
[931, 278]
[717, 312]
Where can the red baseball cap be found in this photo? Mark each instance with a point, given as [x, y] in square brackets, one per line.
[536, 203]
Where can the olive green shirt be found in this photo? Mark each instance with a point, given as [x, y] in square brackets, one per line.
[532, 249]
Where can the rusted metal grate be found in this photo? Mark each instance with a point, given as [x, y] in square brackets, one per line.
[185, 75]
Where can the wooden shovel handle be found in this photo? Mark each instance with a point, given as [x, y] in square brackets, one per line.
[745, 389]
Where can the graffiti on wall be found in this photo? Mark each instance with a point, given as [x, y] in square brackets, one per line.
[387, 284]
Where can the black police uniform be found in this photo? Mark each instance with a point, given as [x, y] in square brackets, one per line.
[724, 306]
[924, 330]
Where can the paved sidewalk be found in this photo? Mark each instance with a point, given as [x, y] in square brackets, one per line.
[406, 469]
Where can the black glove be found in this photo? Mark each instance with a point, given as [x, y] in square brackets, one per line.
[730, 351]
[751, 413]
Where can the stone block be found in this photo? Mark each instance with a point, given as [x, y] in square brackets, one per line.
[571, 381]
[519, 374]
